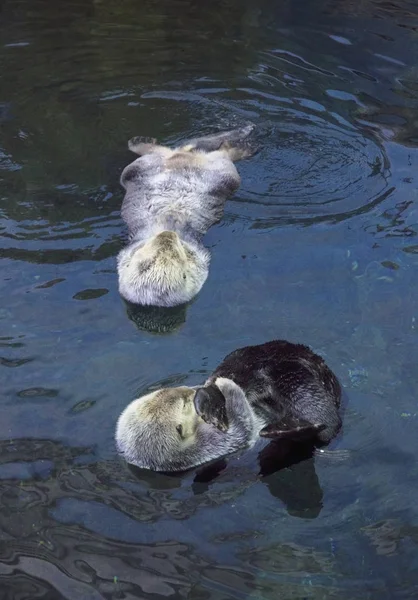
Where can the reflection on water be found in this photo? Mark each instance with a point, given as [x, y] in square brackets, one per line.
[318, 246]
[81, 523]
[156, 319]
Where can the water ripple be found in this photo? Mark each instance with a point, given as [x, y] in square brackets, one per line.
[332, 87]
[314, 165]
[313, 169]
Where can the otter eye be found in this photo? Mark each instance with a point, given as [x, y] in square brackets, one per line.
[184, 276]
[180, 430]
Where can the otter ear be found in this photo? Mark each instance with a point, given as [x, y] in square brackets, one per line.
[210, 405]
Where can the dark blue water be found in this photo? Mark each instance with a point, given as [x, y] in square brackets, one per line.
[319, 246]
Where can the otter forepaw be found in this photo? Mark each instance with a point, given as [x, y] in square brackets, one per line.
[210, 405]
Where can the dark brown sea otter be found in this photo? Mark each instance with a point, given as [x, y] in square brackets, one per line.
[277, 390]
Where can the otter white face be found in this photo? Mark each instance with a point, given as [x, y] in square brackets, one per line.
[156, 431]
[175, 429]
[162, 271]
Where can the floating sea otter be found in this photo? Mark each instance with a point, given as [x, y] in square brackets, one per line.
[173, 196]
[276, 390]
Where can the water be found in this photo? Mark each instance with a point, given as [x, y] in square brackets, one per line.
[318, 246]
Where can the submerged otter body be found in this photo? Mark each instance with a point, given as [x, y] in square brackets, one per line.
[173, 196]
[276, 390]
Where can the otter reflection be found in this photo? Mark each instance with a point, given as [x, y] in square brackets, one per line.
[288, 471]
[286, 468]
[157, 319]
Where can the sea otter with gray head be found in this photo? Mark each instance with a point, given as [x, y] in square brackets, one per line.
[173, 196]
[277, 390]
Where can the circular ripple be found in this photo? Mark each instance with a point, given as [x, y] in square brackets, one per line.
[312, 169]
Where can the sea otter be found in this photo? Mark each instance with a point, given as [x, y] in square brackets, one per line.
[277, 390]
[173, 196]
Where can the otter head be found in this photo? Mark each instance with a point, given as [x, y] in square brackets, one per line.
[162, 271]
[176, 429]
[158, 431]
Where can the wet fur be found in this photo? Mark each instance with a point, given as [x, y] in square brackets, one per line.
[173, 196]
[147, 435]
[278, 390]
[286, 384]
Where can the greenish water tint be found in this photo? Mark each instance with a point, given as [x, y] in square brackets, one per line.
[318, 246]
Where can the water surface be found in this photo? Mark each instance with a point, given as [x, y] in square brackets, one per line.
[318, 246]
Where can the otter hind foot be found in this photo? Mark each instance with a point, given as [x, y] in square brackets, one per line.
[210, 405]
[212, 143]
[142, 145]
[298, 430]
[240, 151]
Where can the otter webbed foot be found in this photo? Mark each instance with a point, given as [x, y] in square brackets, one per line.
[210, 405]
[234, 141]
[240, 151]
[142, 145]
[292, 429]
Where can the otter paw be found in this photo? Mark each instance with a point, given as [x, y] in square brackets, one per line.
[240, 151]
[141, 145]
[210, 405]
[140, 139]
